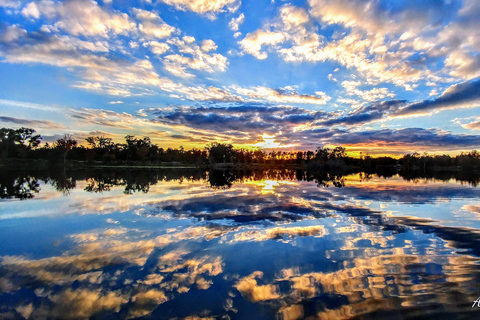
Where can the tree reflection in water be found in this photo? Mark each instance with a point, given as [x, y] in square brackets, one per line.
[21, 186]
[24, 185]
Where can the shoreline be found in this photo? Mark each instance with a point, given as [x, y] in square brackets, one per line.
[31, 164]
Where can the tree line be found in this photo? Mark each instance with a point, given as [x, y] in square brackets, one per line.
[24, 143]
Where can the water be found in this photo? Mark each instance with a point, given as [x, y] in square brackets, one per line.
[187, 244]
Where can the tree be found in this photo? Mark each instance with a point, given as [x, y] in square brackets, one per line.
[130, 146]
[322, 154]
[220, 152]
[143, 147]
[65, 144]
[259, 156]
[92, 141]
[338, 153]
[27, 138]
[308, 155]
[18, 142]
[7, 140]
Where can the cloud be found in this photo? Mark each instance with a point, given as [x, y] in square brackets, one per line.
[14, 4]
[282, 95]
[99, 72]
[244, 118]
[81, 17]
[376, 38]
[32, 123]
[293, 36]
[193, 56]
[371, 95]
[31, 10]
[409, 137]
[119, 77]
[100, 68]
[211, 93]
[84, 17]
[463, 64]
[29, 105]
[235, 23]
[399, 141]
[475, 209]
[106, 118]
[291, 26]
[152, 25]
[158, 48]
[472, 123]
[376, 17]
[11, 33]
[206, 7]
[369, 113]
[96, 61]
[462, 95]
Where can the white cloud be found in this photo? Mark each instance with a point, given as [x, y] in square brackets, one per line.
[152, 25]
[31, 10]
[235, 23]
[81, 17]
[208, 45]
[193, 56]
[253, 42]
[292, 27]
[282, 96]
[12, 33]
[206, 7]
[472, 123]
[371, 95]
[14, 4]
[156, 47]
[293, 36]
[85, 17]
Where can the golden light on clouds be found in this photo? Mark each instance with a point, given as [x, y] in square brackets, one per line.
[270, 143]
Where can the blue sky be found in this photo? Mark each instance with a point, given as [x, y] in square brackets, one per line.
[374, 76]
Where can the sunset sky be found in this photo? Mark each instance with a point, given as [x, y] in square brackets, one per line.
[374, 76]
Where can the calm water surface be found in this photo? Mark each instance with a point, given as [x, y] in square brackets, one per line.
[271, 245]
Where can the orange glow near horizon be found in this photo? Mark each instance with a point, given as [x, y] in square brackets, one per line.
[269, 143]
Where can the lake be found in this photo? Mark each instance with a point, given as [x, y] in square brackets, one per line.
[277, 244]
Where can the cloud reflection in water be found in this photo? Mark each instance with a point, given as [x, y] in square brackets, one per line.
[278, 248]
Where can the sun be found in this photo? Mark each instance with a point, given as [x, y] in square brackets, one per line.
[268, 142]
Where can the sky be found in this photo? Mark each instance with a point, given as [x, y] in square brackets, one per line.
[379, 77]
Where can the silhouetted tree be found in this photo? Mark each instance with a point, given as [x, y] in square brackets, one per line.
[220, 152]
[65, 144]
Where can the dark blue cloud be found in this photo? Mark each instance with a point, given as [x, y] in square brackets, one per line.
[365, 114]
[244, 117]
[31, 123]
[466, 94]
[457, 95]
[409, 136]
